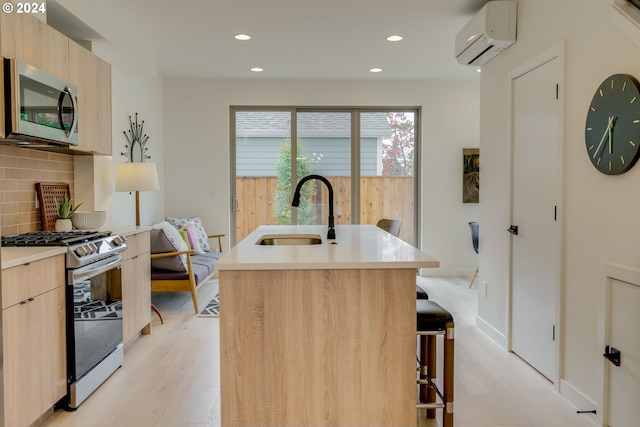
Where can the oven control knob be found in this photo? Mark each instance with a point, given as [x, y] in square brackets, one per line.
[81, 251]
[119, 240]
[92, 248]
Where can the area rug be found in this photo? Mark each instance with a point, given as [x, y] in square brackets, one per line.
[212, 309]
[85, 308]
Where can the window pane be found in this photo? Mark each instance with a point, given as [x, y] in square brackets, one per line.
[263, 177]
[324, 148]
[387, 169]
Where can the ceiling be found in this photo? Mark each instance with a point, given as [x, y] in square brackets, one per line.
[291, 39]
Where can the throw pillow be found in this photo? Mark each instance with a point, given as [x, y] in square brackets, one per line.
[166, 238]
[192, 238]
[179, 223]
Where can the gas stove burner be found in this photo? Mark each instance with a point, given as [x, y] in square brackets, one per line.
[83, 246]
[53, 238]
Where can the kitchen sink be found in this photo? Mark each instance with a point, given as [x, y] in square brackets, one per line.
[289, 239]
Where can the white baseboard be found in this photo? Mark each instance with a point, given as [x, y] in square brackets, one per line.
[582, 402]
[492, 332]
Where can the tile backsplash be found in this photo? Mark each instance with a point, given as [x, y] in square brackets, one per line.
[20, 169]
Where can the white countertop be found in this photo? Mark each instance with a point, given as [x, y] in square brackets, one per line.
[127, 231]
[12, 257]
[356, 247]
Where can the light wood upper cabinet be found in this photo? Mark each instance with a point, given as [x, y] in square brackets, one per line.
[136, 287]
[30, 40]
[92, 75]
[34, 339]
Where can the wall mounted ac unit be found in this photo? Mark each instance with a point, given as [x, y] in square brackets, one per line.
[490, 31]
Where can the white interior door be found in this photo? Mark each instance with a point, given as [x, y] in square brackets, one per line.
[537, 164]
[624, 380]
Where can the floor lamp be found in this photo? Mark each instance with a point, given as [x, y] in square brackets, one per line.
[137, 177]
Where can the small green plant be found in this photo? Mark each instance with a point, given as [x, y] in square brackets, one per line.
[65, 208]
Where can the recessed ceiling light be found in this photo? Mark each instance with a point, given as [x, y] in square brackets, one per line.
[242, 37]
[394, 38]
[479, 70]
[257, 69]
[376, 70]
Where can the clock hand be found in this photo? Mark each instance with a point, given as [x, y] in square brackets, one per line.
[604, 135]
[609, 126]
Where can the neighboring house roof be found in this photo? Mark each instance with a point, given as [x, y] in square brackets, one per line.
[251, 124]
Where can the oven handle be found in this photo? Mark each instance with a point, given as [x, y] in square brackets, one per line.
[92, 270]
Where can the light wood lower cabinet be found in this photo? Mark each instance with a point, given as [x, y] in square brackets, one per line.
[34, 339]
[136, 287]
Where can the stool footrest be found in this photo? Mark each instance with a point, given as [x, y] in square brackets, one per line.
[439, 332]
[430, 406]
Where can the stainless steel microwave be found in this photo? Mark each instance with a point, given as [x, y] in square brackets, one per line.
[39, 107]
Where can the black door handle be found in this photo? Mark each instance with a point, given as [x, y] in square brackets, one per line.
[513, 230]
[613, 355]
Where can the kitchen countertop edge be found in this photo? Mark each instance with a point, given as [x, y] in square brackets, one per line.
[15, 256]
[356, 247]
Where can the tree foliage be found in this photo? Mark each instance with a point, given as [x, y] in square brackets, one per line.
[398, 150]
[284, 193]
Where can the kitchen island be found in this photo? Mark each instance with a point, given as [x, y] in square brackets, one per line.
[319, 334]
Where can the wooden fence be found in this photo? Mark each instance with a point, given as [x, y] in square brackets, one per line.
[381, 197]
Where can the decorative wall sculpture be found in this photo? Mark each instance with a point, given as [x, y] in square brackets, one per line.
[136, 142]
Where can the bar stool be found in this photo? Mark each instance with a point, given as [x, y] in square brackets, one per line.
[433, 320]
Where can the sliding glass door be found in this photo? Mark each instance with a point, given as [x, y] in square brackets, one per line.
[388, 169]
[367, 156]
[324, 146]
[261, 156]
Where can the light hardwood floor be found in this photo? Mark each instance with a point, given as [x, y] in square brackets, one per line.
[171, 377]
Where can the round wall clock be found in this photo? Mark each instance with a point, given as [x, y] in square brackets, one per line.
[612, 132]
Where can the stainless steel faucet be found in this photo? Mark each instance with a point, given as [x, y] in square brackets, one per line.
[331, 234]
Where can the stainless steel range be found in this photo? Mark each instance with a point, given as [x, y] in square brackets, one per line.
[93, 305]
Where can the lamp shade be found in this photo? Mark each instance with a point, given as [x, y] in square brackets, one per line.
[137, 177]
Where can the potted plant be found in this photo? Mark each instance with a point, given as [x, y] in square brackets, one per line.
[65, 211]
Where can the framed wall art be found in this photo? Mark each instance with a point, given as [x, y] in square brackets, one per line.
[470, 175]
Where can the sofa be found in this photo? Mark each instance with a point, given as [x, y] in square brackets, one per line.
[176, 267]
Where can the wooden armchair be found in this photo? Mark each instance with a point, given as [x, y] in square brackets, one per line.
[199, 270]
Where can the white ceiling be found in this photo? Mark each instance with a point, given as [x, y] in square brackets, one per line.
[292, 39]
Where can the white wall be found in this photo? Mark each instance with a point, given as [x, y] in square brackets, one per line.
[197, 147]
[600, 212]
[134, 89]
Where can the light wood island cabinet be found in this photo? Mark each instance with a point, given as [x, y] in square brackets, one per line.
[34, 339]
[319, 335]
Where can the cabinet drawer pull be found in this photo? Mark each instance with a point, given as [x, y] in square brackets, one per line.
[23, 302]
[30, 299]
